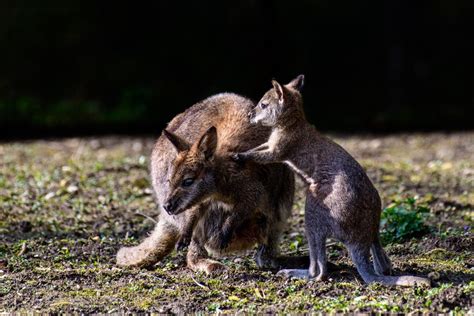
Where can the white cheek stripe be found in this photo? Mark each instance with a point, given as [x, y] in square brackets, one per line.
[301, 173]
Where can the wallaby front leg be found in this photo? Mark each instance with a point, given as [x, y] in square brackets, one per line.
[240, 157]
[192, 217]
[263, 157]
[226, 233]
[260, 147]
[237, 215]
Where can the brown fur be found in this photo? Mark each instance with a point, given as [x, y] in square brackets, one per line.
[341, 201]
[229, 207]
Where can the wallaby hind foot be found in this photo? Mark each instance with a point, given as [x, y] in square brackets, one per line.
[294, 273]
[360, 257]
[289, 262]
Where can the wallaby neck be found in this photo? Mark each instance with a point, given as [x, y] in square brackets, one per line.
[296, 124]
[291, 120]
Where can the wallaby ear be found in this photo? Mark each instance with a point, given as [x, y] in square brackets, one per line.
[279, 90]
[178, 143]
[208, 143]
[297, 83]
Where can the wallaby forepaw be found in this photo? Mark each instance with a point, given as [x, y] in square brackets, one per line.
[238, 157]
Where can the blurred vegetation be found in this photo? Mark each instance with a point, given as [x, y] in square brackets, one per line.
[402, 220]
[132, 107]
[92, 66]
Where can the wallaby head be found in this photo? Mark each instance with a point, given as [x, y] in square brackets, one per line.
[193, 175]
[278, 102]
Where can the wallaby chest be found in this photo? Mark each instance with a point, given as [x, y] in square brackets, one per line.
[275, 139]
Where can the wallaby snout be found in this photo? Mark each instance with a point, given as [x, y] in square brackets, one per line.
[251, 113]
[171, 206]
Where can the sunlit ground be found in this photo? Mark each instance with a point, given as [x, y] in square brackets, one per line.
[66, 207]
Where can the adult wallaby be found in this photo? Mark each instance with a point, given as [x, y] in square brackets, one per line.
[233, 207]
[341, 201]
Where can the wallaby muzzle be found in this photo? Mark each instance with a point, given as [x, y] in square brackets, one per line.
[171, 206]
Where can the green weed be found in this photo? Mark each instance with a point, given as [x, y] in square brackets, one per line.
[403, 220]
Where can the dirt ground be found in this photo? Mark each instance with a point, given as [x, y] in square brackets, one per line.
[66, 207]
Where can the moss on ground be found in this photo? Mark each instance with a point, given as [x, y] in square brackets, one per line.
[67, 206]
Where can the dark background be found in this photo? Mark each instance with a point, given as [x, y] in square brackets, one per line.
[90, 67]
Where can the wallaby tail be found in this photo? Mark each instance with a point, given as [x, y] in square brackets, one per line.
[382, 263]
[360, 257]
[152, 249]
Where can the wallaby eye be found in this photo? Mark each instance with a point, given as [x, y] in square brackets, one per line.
[187, 182]
[263, 105]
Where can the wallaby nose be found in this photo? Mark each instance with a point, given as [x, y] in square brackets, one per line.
[168, 207]
[172, 205]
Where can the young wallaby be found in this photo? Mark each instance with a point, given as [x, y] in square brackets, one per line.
[232, 207]
[341, 201]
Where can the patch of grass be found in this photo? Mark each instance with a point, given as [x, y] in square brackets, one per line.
[66, 206]
[402, 220]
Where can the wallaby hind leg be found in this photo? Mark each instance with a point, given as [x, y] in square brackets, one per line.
[360, 256]
[151, 250]
[382, 263]
[317, 263]
[317, 255]
[316, 234]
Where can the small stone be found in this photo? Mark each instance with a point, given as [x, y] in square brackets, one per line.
[142, 160]
[72, 189]
[66, 169]
[434, 275]
[49, 196]
[238, 260]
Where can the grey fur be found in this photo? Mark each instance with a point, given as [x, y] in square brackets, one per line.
[341, 201]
